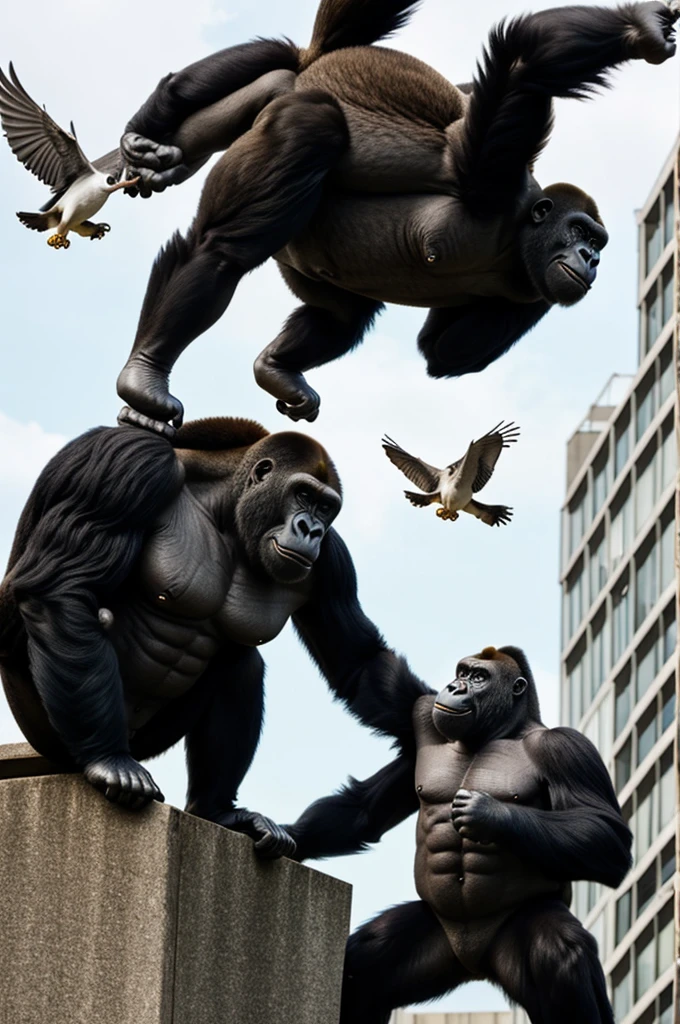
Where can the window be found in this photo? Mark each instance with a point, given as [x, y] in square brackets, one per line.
[667, 293]
[646, 818]
[577, 522]
[621, 616]
[666, 790]
[623, 766]
[645, 395]
[646, 586]
[576, 682]
[645, 490]
[653, 324]
[598, 566]
[669, 211]
[647, 733]
[667, 706]
[667, 862]
[669, 635]
[666, 1006]
[599, 485]
[667, 548]
[621, 988]
[646, 888]
[647, 667]
[669, 456]
[600, 652]
[620, 532]
[575, 603]
[653, 236]
[645, 962]
[664, 941]
[622, 443]
[623, 916]
[623, 700]
[666, 375]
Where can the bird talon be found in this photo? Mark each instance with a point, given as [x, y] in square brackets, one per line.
[100, 230]
[58, 241]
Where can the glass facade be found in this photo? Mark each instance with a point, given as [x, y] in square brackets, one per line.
[619, 632]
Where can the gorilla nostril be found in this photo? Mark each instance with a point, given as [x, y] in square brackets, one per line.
[585, 254]
[303, 527]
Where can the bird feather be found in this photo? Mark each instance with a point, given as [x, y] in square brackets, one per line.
[414, 469]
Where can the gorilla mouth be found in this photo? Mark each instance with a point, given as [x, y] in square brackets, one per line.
[575, 277]
[450, 711]
[294, 556]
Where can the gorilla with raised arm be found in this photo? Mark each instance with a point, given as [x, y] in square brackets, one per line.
[142, 580]
[509, 814]
[371, 179]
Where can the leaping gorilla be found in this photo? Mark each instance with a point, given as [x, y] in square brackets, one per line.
[141, 582]
[509, 813]
[371, 179]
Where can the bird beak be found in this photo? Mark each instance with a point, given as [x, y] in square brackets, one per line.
[124, 184]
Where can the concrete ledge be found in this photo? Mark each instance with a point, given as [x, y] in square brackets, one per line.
[156, 917]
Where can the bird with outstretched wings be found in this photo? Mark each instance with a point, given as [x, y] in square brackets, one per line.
[453, 487]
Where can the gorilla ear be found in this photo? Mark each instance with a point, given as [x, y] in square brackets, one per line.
[260, 471]
[519, 686]
[541, 209]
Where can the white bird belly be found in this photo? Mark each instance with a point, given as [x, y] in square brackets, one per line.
[455, 497]
[82, 201]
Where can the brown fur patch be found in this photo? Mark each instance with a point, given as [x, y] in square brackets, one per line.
[565, 195]
[212, 448]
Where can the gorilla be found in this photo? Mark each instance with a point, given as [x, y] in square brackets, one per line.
[143, 578]
[371, 179]
[509, 813]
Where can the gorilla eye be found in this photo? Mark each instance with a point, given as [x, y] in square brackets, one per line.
[478, 677]
[578, 233]
[594, 244]
[324, 508]
[463, 672]
[304, 496]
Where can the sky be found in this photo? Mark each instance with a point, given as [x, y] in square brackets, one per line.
[437, 590]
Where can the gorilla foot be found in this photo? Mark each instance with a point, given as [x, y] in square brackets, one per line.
[295, 398]
[58, 241]
[271, 840]
[123, 781]
[143, 384]
[100, 230]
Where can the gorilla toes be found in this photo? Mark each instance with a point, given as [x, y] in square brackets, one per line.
[307, 410]
[144, 386]
[123, 781]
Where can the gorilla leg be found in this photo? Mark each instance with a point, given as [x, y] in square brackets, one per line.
[466, 339]
[331, 323]
[400, 957]
[547, 962]
[257, 197]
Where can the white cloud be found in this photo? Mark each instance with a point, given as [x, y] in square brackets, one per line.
[24, 450]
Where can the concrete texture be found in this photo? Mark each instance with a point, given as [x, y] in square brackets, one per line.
[110, 916]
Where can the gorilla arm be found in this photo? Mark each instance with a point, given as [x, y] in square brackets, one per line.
[375, 684]
[359, 814]
[245, 78]
[562, 52]
[582, 836]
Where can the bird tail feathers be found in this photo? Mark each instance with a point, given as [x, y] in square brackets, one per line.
[35, 221]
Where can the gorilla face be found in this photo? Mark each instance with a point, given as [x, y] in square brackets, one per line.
[562, 252]
[482, 703]
[283, 518]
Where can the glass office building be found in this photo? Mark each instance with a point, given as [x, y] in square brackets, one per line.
[618, 663]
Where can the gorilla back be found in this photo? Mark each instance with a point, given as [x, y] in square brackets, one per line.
[372, 179]
[141, 583]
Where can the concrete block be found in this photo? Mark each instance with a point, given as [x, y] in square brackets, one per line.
[110, 916]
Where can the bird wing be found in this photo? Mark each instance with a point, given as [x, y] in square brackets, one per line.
[492, 515]
[111, 163]
[482, 455]
[418, 472]
[45, 149]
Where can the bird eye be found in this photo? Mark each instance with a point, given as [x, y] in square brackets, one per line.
[110, 180]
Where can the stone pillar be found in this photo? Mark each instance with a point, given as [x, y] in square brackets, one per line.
[110, 916]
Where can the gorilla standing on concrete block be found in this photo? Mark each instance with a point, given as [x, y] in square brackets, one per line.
[142, 580]
[509, 814]
[371, 179]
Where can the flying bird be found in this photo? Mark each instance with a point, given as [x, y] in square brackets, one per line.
[80, 188]
[453, 487]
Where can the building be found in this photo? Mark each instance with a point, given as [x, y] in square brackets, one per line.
[618, 660]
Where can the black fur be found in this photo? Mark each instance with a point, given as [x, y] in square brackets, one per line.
[182, 93]
[467, 339]
[375, 684]
[77, 541]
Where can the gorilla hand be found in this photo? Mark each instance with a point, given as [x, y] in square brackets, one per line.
[123, 781]
[143, 384]
[271, 840]
[478, 816]
[294, 396]
[157, 165]
[652, 38]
